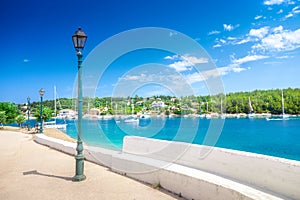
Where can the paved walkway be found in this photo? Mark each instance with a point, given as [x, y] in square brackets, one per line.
[32, 171]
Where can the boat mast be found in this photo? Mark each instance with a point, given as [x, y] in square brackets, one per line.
[250, 107]
[221, 106]
[132, 108]
[282, 101]
[200, 108]
[55, 101]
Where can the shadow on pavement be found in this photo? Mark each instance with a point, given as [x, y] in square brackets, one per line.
[35, 172]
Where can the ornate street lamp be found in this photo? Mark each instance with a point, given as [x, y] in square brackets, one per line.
[42, 92]
[28, 113]
[79, 39]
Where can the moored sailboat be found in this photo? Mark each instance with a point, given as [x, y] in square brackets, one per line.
[283, 116]
[132, 118]
[53, 123]
[251, 114]
[223, 116]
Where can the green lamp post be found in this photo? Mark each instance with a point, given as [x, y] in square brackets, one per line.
[79, 39]
[28, 113]
[42, 92]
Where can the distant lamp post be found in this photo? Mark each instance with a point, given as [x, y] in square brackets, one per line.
[42, 92]
[28, 113]
[79, 39]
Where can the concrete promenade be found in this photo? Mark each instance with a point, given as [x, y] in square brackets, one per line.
[32, 171]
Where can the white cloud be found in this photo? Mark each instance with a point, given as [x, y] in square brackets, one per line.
[194, 60]
[258, 17]
[231, 38]
[231, 41]
[168, 58]
[272, 42]
[238, 69]
[217, 46]
[214, 32]
[181, 66]
[134, 77]
[296, 9]
[260, 33]
[243, 41]
[249, 58]
[222, 71]
[278, 2]
[171, 57]
[284, 57]
[253, 36]
[272, 63]
[266, 39]
[168, 77]
[185, 62]
[171, 78]
[26, 60]
[279, 40]
[222, 41]
[194, 78]
[273, 2]
[142, 77]
[293, 12]
[217, 72]
[278, 29]
[205, 75]
[228, 27]
[292, 38]
[288, 15]
[280, 11]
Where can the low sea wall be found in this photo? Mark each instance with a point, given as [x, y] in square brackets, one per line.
[60, 145]
[97, 155]
[194, 171]
[271, 174]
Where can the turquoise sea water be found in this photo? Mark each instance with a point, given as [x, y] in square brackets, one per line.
[280, 138]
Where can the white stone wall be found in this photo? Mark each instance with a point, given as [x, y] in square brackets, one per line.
[64, 146]
[190, 175]
[281, 176]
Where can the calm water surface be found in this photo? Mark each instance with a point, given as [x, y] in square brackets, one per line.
[279, 138]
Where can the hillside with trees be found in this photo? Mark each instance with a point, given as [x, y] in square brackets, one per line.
[263, 101]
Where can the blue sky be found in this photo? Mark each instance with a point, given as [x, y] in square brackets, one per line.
[255, 44]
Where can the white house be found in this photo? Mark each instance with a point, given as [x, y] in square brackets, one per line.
[159, 104]
[67, 114]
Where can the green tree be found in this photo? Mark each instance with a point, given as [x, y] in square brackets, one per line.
[11, 111]
[20, 119]
[47, 114]
[2, 117]
[263, 101]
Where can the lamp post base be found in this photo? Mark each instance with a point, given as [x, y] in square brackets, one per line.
[79, 178]
[79, 169]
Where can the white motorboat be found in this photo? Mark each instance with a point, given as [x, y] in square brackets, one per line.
[53, 124]
[131, 119]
